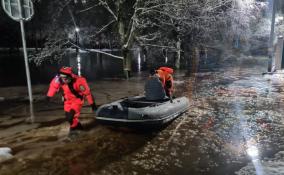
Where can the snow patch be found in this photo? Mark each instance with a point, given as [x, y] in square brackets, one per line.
[178, 82]
[5, 154]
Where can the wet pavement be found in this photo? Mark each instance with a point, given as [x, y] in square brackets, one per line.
[234, 126]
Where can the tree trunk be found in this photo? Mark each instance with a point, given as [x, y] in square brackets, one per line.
[123, 40]
[177, 62]
[195, 61]
[125, 51]
[126, 62]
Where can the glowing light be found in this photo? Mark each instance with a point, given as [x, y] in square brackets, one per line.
[78, 58]
[139, 62]
[252, 151]
[77, 29]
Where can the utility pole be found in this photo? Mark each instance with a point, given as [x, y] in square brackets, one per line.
[271, 39]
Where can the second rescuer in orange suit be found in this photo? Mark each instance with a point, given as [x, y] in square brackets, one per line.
[165, 75]
[75, 89]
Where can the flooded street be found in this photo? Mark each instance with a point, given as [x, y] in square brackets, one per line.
[234, 126]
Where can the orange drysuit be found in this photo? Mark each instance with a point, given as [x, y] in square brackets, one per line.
[74, 94]
[165, 75]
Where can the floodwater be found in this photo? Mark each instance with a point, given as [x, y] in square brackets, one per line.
[234, 126]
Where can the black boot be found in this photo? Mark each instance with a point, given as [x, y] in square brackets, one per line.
[79, 126]
[74, 132]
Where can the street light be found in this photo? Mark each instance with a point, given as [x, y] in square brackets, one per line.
[77, 29]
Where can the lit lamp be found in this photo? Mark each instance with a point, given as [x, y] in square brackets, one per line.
[77, 29]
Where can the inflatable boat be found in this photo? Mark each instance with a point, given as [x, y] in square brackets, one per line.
[134, 111]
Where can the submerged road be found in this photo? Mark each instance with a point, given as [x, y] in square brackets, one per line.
[234, 126]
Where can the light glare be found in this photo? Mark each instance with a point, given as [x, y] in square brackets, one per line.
[252, 151]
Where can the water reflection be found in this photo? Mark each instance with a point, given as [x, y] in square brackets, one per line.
[258, 167]
[139, 62]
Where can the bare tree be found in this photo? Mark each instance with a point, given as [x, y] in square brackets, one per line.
[155, 24]
[170, 24]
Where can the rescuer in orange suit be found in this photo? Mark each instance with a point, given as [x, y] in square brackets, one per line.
[166, 77]
[75, 89]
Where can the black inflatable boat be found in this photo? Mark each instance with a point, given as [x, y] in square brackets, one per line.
[138, 111]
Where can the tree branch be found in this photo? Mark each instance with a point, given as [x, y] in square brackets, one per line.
[103, 28]
[97, 51]
[154, 45]
[87, 9]
[105, 4]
